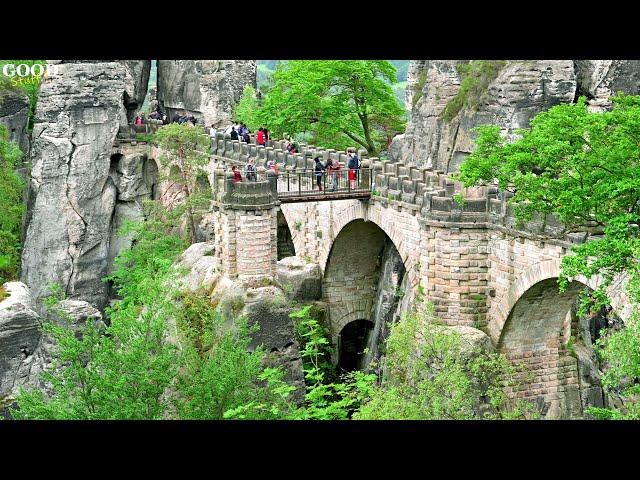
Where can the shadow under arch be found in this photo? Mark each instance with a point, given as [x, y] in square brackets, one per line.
[286, 246]
[362, 279]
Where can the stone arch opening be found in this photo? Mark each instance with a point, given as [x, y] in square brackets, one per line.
[286, 248]
[364, 279]
[352, 341]
[552, 348]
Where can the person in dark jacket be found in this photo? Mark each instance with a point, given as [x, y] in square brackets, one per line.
[318, 169]
[234, 134]
[354, 168]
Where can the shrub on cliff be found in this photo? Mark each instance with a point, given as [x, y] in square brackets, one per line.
[11, 207]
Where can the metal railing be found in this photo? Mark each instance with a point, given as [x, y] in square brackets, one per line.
[302, 183]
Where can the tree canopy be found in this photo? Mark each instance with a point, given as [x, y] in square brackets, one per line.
[340, 103]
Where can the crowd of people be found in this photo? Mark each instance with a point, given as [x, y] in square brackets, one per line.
[331, 168]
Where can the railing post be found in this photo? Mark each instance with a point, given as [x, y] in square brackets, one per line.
[299, 184]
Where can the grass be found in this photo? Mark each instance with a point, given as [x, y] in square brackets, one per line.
[476, 77]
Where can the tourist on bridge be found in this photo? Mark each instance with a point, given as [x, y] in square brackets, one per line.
[246, 137]
[319, 172]
[234, 134]
[266, 137]
[271, 164]
[138, 120]
[237, 178]
[260, 137]
[251, 171]
[212, 131]
[333, 167]
[354, 168]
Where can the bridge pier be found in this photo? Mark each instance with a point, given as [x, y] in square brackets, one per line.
[246, 225]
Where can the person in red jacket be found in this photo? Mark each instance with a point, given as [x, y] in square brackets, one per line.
[260, 136]
[237, 178]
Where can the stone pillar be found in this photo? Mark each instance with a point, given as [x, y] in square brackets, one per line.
[246, 220]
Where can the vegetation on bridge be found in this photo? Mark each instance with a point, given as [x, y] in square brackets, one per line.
[336, 103]
[584, 168]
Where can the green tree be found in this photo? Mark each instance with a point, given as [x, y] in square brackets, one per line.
[185, 153]
[340, 102]
[587, 174]
[125, 371]
[430, 374]
[11, 207]
[247, 109]
[165, 353]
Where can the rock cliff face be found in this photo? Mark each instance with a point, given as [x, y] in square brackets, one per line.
[73, 193]
[14, 115]
[207, 89]
[599, 79]
[136, 82]
[521, 90]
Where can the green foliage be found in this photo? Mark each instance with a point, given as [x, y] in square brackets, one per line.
[476, 77]
[247, 109]
[219, 378]
[149, 138]
[184, 156]
[29, 85]
[338, 102]
[429, 373]
[11, 207]
[326, 397]
[418, 87]
[134, 369]
[125, 372]
[588, 178]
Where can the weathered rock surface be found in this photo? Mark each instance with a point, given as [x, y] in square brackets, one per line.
[198, 267]
[302, 279]
[19, 338]
[521, 90]
[14, 115]
[207, 89]
[260, 301]
[600, 79]
[76, 188]
[136, 83]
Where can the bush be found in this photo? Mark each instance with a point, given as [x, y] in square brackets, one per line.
[476, 77]
[11, 207]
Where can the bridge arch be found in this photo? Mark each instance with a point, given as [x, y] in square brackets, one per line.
[359, 276]
[538, 330]
[549, 269]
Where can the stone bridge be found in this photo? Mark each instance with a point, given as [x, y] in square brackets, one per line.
[471, 260]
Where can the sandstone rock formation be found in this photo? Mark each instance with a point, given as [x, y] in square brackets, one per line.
[207, 89]
[19, 338]
[136, 82]
[74, 191]
[301, 280]
[521, 90]
[14, 115]
[599, 79]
